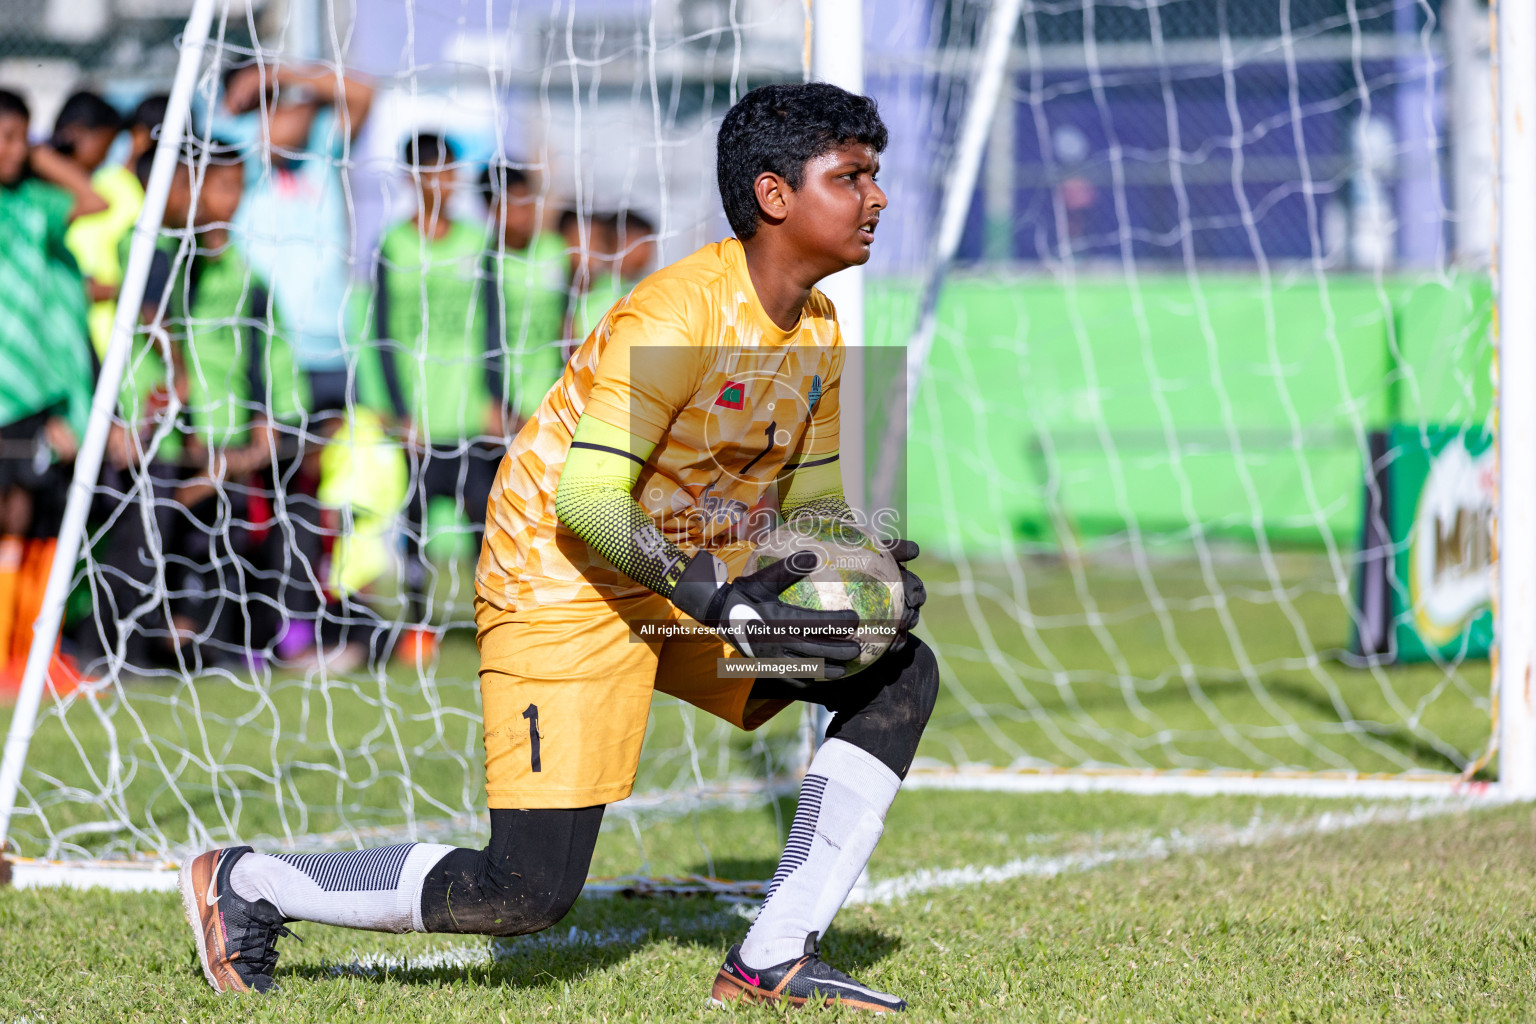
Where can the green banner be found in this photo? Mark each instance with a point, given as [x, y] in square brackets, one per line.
[1423, 590]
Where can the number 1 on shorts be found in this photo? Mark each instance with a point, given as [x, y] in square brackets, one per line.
[532, 714]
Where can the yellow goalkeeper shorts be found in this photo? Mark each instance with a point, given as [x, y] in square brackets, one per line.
[567, 691]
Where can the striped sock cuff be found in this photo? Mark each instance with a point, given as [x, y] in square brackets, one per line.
[378, 889]
[354, 870]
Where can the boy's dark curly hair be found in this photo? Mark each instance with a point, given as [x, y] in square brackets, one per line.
[13, 105]
[427, 151]
[778, 128]
[500, 177]
[86, 109]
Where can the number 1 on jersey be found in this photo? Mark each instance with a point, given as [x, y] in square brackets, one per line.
[769, 430]
[532, 714]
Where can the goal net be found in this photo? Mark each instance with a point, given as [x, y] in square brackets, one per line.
[1198, 449]
[1204, 436]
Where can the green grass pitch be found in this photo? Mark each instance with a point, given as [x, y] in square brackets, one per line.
[1420, 920]
[1161, 908]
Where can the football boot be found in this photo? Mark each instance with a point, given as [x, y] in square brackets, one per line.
[236, 937]
[806, 979]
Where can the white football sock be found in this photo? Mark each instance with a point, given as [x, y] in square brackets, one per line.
[379, 890]
[843, 801]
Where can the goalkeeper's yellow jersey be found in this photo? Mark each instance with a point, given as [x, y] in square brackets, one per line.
[688, 360]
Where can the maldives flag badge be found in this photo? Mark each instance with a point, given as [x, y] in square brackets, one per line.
[732, 396]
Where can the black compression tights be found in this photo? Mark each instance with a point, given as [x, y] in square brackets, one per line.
[537, 861]
[882, 710]
[523, 882]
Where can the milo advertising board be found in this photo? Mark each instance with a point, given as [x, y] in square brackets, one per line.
[1424, 583]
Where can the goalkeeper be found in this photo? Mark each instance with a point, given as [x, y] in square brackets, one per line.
[623, 501]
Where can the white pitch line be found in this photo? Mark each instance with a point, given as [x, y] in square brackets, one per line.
[1207, 840]
[484, 954]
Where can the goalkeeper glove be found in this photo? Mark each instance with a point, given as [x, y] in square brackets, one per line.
[903, 551]
[749, 614]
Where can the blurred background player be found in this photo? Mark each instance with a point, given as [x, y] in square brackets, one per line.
[441, 364]
[97, 240]
[143, 462]
[83, 132]
[526, 272]
[634, 246]
[294, 225]
[589, 248]
[621, 249]
[154, 368]
[246, 397]
[45, 367]
[248, 543]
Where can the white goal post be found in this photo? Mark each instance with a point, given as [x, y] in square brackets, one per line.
[194, 42]
[1515, 561]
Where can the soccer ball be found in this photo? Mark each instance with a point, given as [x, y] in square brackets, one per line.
[853, 572]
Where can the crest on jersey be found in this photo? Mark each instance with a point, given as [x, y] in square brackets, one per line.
[815, 393]
[732, 396]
